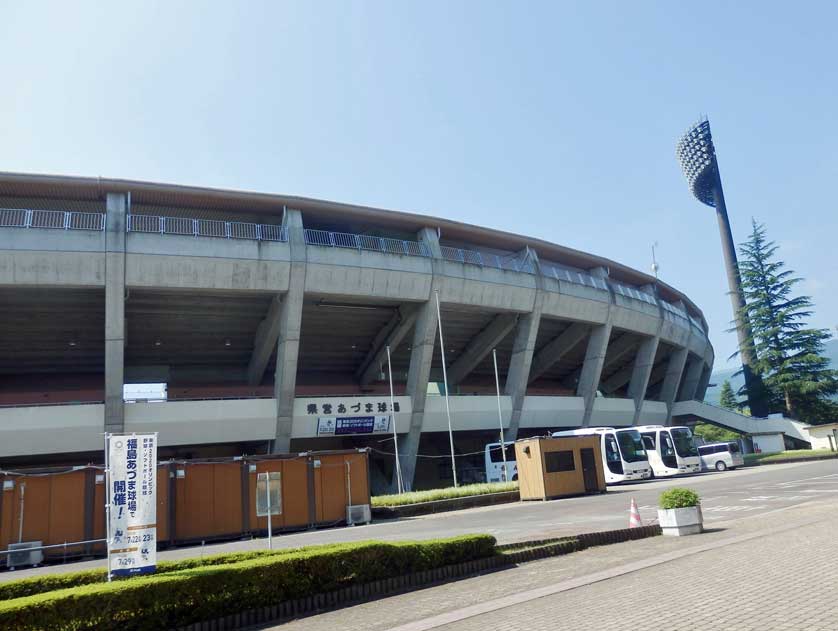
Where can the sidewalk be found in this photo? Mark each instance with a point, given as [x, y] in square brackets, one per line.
[774, 571]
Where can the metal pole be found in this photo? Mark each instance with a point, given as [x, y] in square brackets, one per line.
[500, 415]
[445, 381]
[108, 507]
[20, 521]
[399, 483]
[270, 527]
[753, 383]
[349, 484]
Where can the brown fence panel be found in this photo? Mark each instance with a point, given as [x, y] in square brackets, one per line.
[294, 493]
[330, 485]
[208, 500]
[6, 513]
[227, 499]
[163, 502]
[66, 511]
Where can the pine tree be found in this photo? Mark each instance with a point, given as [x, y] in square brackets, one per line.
[790, 358]
[727, 399]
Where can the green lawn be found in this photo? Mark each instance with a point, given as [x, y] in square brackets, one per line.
[789, 455]
[416, 497]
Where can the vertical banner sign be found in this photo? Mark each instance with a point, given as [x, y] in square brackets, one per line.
[132, 503]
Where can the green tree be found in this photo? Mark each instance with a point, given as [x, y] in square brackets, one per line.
[727, 398]
[789, 354]
[713, 434]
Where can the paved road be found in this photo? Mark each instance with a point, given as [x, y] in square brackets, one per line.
[749, 491]
[768, 571]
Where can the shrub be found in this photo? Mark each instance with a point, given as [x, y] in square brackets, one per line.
[679, 498]
[52, 582]
[182, 597]
[432, 495]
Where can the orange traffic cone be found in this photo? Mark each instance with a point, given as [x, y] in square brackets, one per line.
[634, 516]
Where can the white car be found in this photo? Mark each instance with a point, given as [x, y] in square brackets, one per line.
[720, 456]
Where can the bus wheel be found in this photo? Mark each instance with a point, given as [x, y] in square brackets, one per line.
[720, 466]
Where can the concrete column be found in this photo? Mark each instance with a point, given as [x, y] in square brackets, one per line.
[421, 356]
[117, 209]
[480, 346]
[695, 370]
[390, 335]
[430, 237]
[672, 379]
[557, 348]
[701, 390]
[641, 371]
[518, 376]
[289, 316]
[592, 368]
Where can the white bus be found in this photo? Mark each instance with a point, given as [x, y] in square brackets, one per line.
[494, 463]
[623, 455]
[671, 450]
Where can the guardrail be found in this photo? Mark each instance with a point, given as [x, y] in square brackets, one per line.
[52, 219]
[365, 242]
[571, 276]
[186, 226]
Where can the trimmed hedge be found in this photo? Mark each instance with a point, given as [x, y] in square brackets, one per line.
[51, 582]
[179, 598]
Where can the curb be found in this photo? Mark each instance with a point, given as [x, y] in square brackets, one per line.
[359, 593]
[440, 506]
[760, 463]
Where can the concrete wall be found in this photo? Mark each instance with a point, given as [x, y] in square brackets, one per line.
[768, 443]
[553, 412]
[197, 422]
[467, 413]
[612, 412]
[51, 429]
[653, 413]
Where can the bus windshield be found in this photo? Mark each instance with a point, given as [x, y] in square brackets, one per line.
[684, 445]
[631, 446]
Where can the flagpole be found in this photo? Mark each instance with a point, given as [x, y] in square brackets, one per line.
[500, 415]
[445, 381]
[399, 483]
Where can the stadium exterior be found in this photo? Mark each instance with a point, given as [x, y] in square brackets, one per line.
[268, 318]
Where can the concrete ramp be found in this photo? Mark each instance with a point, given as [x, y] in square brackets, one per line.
[739, 422]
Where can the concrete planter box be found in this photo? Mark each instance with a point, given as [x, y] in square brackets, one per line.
[677, 522]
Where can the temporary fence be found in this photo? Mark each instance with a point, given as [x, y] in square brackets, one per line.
[197, 500]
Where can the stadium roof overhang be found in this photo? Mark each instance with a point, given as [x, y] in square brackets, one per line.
[158, 194]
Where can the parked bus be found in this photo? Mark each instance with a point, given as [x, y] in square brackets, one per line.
[720, 456]
[671, 450]
[623, 455]
[494, 463]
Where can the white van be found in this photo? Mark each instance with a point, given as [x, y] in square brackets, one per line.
[720, 456]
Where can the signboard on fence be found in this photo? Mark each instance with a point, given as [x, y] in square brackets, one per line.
[269, 494]
[131, 503]
[348, 425]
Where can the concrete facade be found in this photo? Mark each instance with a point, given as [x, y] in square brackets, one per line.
[215, 308]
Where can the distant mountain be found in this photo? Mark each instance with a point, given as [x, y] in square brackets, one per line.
[718, 377]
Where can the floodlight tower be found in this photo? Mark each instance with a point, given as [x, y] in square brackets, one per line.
[697, 156]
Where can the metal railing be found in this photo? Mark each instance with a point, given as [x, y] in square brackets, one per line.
[572, 276]
[51, 219]
[365, 242]
[186, 226]
[636, 294]
[482, 259]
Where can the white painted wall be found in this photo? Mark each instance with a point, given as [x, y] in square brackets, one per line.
[467, 413]
[769, 443]
[653, 413]
[202, 422]
[552, 412]
[50, 429]
[612, 412]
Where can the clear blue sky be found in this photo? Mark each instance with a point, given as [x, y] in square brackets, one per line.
[555, 120]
